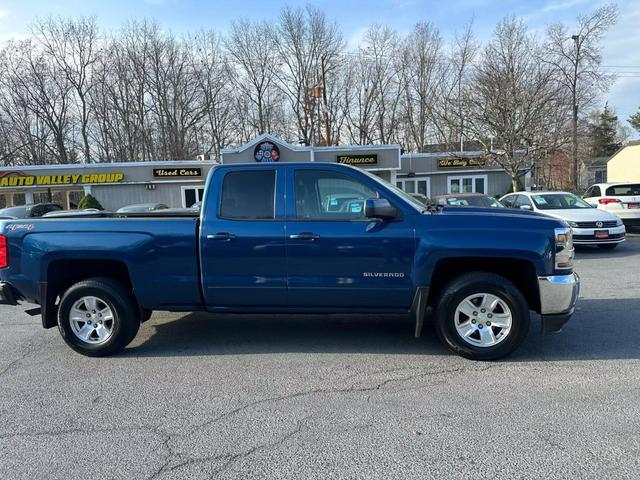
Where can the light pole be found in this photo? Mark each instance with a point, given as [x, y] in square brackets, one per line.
[574, 97]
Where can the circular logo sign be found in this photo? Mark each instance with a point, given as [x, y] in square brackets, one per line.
[266, 152]
[599, 224]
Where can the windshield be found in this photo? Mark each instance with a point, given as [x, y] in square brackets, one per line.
[474, 200]
[559, 201]
[414, 202]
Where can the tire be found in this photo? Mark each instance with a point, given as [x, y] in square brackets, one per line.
[468, 291]
[114, 310]
[607, 246]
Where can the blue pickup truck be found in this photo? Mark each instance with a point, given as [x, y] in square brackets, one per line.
[296, 238]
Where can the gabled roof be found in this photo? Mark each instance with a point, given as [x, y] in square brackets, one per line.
[306, 148]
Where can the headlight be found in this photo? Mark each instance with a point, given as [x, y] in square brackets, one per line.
[564, 248]
[572, 224]
[619, 222]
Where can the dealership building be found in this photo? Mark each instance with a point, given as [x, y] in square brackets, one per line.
[181, 183]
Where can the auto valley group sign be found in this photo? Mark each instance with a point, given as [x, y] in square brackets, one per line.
[20, 179]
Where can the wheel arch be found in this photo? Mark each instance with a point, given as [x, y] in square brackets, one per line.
[62, 273]
[520, 272]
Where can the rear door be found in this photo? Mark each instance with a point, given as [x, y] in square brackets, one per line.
[336, 256]
[242, 239]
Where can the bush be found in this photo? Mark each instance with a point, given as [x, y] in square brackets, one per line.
[89, 201]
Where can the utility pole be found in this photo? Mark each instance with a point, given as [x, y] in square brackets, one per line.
[325, 113]
[574, 97]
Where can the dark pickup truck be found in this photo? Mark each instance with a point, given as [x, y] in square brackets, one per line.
[296, 238]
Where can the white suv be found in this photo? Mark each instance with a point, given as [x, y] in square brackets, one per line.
[621, 199]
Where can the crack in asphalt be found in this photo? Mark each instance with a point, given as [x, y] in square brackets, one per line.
[32, 346]
[230, 458]
[70, 431]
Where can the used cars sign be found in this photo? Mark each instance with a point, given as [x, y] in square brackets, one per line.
[177, 172]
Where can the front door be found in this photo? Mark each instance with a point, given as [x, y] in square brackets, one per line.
[336, 256]
[242, 240]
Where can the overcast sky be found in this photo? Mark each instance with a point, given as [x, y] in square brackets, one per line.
[621, 52]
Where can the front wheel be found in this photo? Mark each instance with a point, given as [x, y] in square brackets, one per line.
[482, 316]
[98, 317]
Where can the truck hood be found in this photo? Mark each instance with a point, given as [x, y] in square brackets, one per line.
[493, 212]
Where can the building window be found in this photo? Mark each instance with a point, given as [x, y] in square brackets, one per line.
[600, 176]
[41, 197]
[191, 195]
[421, 185]
[19, 199]
[467, 184]
[74, 198]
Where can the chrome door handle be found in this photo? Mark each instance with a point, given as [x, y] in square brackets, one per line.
[304, 236]
[221, 236]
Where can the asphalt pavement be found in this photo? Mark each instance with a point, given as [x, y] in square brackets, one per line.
[232, 397]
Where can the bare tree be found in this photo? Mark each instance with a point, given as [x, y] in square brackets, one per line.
[253, 51]
[309, 47]
[71, 45]
[454, 98]
[423, 70]
[575, 55]
[513, 96]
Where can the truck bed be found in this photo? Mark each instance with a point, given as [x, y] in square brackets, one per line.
[159, 252]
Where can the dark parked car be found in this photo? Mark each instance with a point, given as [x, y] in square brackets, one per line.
[29, 211]
[142, 208]
[467, 200]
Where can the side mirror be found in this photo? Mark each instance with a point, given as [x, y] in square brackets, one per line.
[525, 207]
[379, 208]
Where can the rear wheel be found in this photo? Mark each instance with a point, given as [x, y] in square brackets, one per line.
[607, 246]
[98, 317]
[482, 316]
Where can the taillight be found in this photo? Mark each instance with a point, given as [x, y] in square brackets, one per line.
[4, 255]
[606, 201]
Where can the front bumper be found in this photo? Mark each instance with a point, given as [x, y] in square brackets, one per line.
[558, 297]
[587, 236]
[8, 294]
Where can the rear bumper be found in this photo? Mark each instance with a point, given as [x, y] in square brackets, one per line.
[8, 294]
[558, 297]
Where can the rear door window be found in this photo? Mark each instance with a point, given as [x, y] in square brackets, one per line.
[248, 195]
